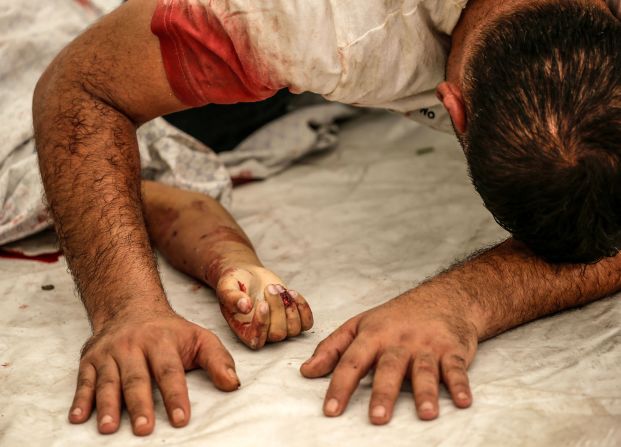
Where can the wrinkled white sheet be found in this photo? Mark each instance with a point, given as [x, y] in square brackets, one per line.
[350, 229]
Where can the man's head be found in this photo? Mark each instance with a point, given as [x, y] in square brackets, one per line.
[535, 97]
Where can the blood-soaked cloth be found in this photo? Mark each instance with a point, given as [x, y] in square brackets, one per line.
[381, 53]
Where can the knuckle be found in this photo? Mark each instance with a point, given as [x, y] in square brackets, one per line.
[134, 381]
[85, 383]
[380, 396]
[458, 360]
[426, 369]
[170, 370]
[455, 386]
[172, 396]
[105, 382]
[350, 363]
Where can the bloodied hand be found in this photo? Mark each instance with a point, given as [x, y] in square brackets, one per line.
[413, 336]
[259, 308]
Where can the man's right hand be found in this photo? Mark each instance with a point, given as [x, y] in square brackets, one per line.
[118, 360]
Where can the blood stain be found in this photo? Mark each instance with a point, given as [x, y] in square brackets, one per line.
[242, 287]
[47, 258]
[24, 306]
[287, 300]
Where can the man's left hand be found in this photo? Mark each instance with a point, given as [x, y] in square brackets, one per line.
[424, 338]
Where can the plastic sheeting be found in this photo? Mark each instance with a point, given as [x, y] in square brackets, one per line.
[350, 229]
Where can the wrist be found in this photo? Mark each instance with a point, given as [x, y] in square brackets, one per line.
[218, 267]
[452, 299]
[126, 308]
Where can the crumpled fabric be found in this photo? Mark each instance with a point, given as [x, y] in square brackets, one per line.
[32, 32]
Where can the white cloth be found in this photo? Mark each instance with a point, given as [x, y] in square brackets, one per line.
[349, 229]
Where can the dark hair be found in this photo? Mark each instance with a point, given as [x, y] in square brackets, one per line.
[543, 92]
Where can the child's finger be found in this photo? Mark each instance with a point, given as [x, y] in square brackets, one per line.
[306, 314]
[233, 294]
[278, 317]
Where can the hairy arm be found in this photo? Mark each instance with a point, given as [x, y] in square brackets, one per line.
[508, 285]
[430, 333]
[87, 106]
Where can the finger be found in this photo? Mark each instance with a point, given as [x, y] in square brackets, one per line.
[455, 377]
[352, 367]
[389, 374]
[306, 314]
[169, 374]
[425, 381]
[213, 357]
[294, 325]
[329, 351]
[278, 317]
[136, 385]
[233, 294]
[108, 396]
[82, 405]
[252, 333]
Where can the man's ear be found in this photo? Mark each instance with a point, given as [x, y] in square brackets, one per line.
[453, 101]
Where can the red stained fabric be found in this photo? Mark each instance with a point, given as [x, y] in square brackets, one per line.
[202, 62]
[47, 258]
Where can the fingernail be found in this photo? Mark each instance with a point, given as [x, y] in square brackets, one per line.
[310, 359]
[378, 412]
[140, 421]
[426, 407]
[272, 289]
[76, 412]
[178, 416]
[280, 288]
[232, 374]
[107, 419]
[293, 294]
[243, 304]
[254, 342]
[462, 396]
[332, 406]
[264, 308]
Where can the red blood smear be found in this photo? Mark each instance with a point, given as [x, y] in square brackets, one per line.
[242, 287]
[287, 300]
[207, 59]
[47, 258]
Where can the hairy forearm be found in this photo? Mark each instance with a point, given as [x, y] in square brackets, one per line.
[507, 286]
[195, 233]
[90, 168]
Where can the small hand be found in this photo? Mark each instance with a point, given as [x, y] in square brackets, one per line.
[258, 308]
[118, 361]
[408, 336]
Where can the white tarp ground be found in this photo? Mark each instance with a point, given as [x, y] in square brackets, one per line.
[349, 229]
